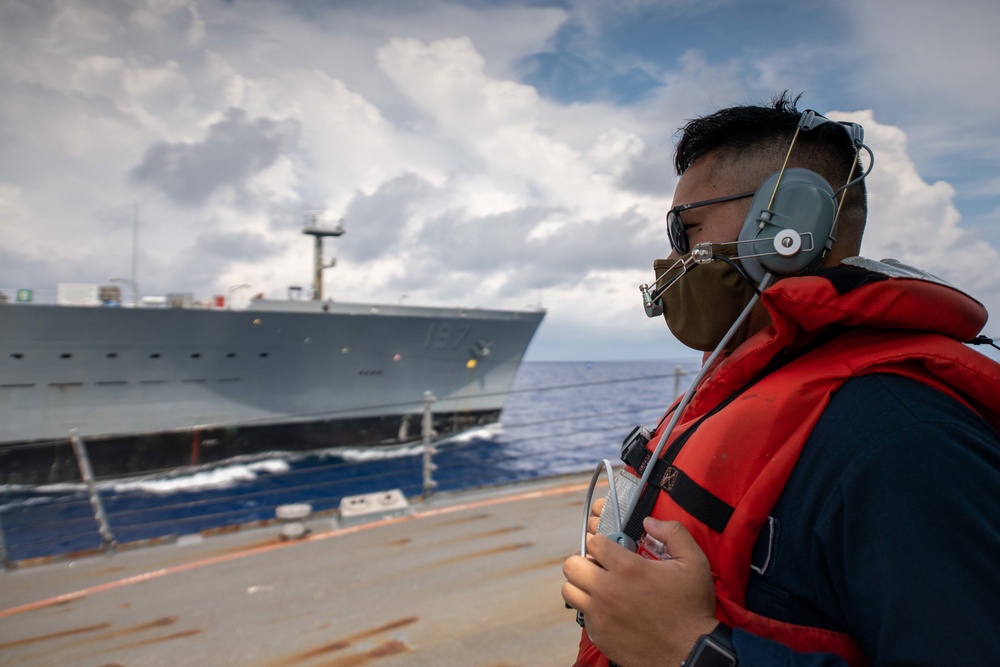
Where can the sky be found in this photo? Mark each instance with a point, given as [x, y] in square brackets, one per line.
[480, 154]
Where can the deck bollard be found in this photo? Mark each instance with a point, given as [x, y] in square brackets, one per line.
[291, 518]
[369, 507]
[83, 461]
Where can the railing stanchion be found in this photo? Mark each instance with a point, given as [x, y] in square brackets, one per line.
[83, 461]
[3, 546]
[427, 431]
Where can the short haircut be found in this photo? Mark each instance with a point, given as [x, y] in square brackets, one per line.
[750, 143]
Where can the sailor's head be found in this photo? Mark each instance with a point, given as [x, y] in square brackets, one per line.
[729, 164]
[732, 151]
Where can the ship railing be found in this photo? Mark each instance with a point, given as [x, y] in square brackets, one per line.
[101, 514]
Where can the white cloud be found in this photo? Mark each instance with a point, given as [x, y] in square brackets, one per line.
[917, 222]
[928, 49]
[930, 67]
[460, 184]
[446, 80]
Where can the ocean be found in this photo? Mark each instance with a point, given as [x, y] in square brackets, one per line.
[559, 418]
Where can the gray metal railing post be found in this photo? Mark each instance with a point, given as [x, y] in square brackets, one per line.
[427, 431]
[83, 461]
[678, 372]
[3, 546]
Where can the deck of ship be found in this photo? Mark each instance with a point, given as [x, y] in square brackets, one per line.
[470, 579]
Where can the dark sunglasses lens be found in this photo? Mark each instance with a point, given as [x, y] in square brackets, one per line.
[677, 233]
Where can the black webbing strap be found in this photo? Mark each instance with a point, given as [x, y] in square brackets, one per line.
[696, 500]
[642, 509]
[693, 498]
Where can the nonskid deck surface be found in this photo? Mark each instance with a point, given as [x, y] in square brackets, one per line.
[469, 579]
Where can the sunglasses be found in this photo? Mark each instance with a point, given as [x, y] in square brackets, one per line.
[675, 226]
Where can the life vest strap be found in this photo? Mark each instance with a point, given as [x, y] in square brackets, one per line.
[693, 498]
[696, 500]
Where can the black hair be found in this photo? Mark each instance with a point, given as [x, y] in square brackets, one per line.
[751, 142]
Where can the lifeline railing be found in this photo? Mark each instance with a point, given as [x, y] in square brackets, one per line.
[71, 520]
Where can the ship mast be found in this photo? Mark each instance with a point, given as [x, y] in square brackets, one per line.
[312, 228]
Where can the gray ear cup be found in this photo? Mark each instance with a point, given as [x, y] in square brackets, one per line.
[791, 236]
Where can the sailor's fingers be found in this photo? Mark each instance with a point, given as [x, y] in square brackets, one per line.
[678, 541]
[595, 515]
[581, 577]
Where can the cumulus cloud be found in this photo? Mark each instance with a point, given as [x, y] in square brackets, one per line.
[235, 149]
[931, 67]
[379, 220]
[232, 246]
[934, 50]
[459, 182]
[916, 221]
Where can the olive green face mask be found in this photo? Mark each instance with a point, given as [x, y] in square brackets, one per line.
[703, 304]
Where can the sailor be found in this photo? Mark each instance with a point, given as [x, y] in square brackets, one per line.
[830, 492]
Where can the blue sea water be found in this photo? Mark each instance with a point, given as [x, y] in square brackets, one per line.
[560, 417]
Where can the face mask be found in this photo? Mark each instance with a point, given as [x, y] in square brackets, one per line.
[703, 304]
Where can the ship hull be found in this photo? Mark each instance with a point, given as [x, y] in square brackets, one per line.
[156, 388]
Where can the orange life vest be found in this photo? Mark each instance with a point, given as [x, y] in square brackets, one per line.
[740, 457]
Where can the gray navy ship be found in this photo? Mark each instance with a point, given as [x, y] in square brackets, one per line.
[153, 388]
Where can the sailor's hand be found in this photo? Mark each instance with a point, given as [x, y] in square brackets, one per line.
[640, 611]
[595, 516]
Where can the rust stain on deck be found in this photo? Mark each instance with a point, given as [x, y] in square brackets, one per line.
[55, 635]
[400, 542]
[383, 650]
[157, 640]
[347, 642]
[484, 553]
[464, 519]
[469, 537]
[132, 629]
[548, 563]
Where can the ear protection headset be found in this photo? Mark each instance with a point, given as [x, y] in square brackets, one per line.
[792, 222]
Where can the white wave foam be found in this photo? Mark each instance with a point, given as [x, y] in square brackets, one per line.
[61, 487]
[488, 432]
[381, 453]
[384, 452]
[216, 478]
